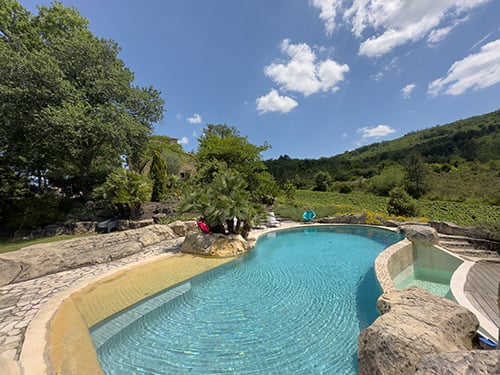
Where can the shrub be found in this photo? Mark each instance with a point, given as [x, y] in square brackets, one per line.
[36, 211]
[401, 204]
[390, 178]
[126, 191]
[322, 181]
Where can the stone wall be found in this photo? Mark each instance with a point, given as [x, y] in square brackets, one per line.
[42, 259]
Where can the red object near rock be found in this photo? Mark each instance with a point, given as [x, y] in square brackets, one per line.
[203, 226]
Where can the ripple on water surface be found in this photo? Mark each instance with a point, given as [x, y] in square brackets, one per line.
[290, 306]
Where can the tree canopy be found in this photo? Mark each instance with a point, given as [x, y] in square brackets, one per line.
[222, 147]
[69, 110]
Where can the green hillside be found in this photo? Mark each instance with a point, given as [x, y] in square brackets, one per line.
[463, 159]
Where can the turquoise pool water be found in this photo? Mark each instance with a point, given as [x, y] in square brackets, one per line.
[294, 305]
[433, 280]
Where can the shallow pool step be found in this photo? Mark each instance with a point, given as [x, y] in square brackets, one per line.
[103, 331]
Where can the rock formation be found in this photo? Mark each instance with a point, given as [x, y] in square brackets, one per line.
[420, 234]
[214, 244]
[414, 323]
[476, 362]
[42, 259]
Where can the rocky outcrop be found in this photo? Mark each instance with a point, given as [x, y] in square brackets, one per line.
[414, 323]
[345, 219]
[444, 227]
[42, 259]
[420, 234]
[182, 228]
[213, 244]
[476, 362]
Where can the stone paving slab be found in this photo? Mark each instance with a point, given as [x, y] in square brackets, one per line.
[20, 302]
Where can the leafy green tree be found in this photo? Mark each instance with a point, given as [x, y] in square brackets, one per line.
[68, 108]
[389, 178]
[267, 188]
[222, 150]
[322, 181]
[224, 145]
[401, 203]
[158, 175]
[125, 191]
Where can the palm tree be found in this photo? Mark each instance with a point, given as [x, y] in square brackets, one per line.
[224, 204]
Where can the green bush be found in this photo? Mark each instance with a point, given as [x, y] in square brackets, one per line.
[401, 204]
[390, 178]
[36, 211]
[322, 181]
[125, 191]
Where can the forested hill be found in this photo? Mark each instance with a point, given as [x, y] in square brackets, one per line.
[476, 139]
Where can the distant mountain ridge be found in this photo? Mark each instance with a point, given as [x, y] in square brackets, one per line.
[475, 139]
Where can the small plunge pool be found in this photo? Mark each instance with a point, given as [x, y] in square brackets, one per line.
[432, 269]
[433, 280]
[294, 305]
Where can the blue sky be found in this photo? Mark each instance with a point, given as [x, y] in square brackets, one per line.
[313, 78]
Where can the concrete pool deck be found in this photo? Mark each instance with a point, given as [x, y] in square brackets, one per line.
[20, 303]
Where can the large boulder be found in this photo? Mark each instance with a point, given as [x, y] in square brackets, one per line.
[475, 362]
[42, 259]
[420, 234]
[182, 228]
[213, 244]
[413, 323]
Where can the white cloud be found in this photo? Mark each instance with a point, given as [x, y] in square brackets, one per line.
[376, 132]
[407, 90]
[195, 119]
[392, 23]
[302, 73]
[474, 72]
[183, 141]
[273, 102]
[328, 12]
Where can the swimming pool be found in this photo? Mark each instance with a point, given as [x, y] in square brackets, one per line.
[295, 304]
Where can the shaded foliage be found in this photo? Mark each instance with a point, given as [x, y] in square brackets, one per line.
[125, 191]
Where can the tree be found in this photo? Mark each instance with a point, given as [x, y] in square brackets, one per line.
[224, 204]
[222, 150]
[416, 171]
[159, 176]
[224, 145]
[389, 178]
[322, 181]
[68, 108]
[401, 204]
